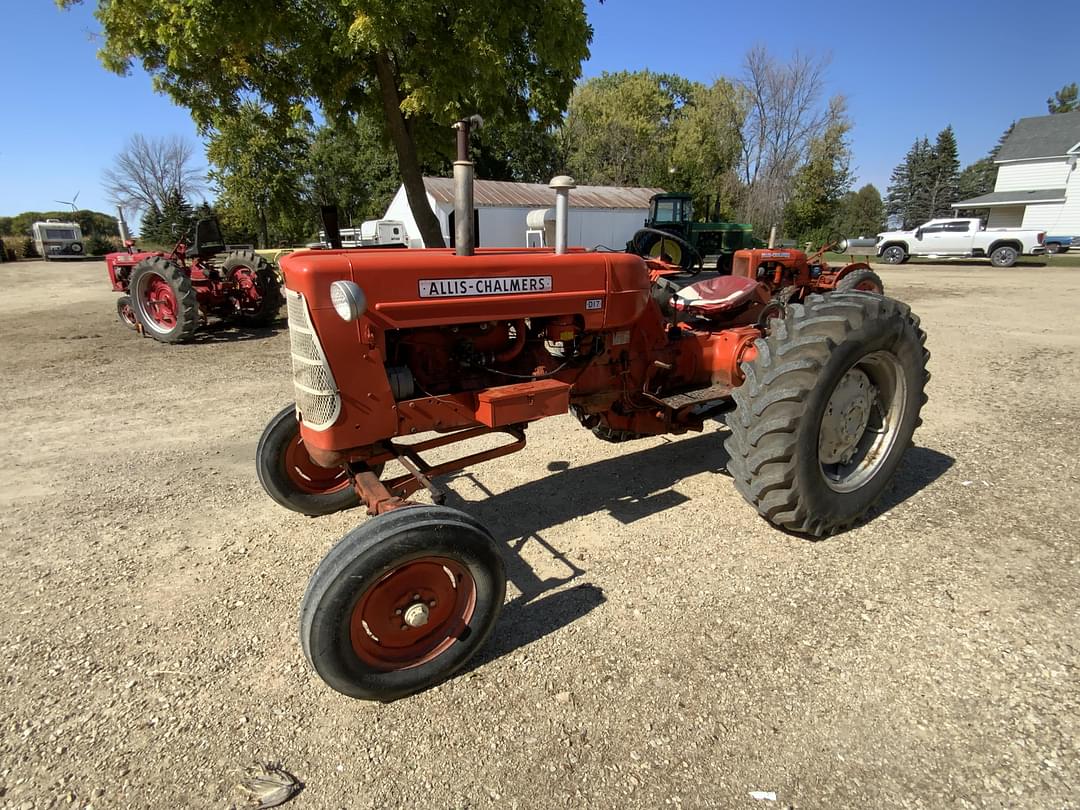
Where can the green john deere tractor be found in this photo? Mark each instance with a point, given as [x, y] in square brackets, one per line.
[670, 232]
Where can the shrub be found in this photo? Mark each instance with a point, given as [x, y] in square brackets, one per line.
[29, 251]
[98, 245]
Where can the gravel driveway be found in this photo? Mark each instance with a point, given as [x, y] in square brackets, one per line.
[661, 646]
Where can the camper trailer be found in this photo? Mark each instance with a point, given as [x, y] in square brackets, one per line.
[58, 240]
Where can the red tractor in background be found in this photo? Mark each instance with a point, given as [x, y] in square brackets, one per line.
[168, 295]
[819, 377]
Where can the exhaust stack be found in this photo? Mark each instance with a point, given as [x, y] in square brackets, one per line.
[463, 188]
[562, 185]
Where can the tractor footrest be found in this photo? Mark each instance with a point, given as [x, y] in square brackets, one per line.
[687, 398]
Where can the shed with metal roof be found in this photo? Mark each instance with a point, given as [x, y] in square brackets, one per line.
[599, 215]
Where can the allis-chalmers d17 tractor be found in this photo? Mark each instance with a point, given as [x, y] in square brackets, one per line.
[167, 295]
[395, 353]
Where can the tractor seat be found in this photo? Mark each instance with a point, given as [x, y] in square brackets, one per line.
[720, 296]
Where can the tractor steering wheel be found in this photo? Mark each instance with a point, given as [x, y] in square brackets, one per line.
[690, 260]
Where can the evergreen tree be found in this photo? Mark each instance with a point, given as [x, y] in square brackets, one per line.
[150, 227]
[944, 179]
[1064, 100]
[907, 201]
[1001, 141]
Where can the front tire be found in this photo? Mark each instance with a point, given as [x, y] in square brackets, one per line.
[1004, 256]
[292, 479]
[402, 602]
[164, 300]
[828, 407]
[126, 313]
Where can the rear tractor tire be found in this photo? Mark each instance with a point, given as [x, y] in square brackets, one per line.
[292, 479]
[163, 300]
[257, 296]
[863, 280]
[402, 602]
[827, 409]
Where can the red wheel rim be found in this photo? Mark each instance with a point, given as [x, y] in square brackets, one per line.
[127, 315]
[413, 613]
[159, 302]
[868, 286]
[307, 476]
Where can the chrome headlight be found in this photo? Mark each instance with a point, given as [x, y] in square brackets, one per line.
[348, 299]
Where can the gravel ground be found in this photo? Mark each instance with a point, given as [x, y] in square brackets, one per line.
[661, 646]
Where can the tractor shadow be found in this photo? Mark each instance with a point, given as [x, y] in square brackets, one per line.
[218, 331]
[628, 487]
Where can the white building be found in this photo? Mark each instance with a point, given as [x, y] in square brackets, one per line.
[599, 215]
[1038, 184]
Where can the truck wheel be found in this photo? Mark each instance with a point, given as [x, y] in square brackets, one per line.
[402, 602]
[125, 313]
[864, 280]
[1004, 256]
[894, 254]
[828, 407]
[164, 300]
[257, 292]
[292, 479]
[1053, 247]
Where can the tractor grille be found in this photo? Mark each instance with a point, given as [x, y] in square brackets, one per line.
[317, 398]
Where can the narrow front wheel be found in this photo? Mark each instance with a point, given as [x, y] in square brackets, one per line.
[402, 602]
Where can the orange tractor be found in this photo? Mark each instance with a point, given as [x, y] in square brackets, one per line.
[817, 374]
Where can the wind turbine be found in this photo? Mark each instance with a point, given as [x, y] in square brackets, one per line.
[71, 202]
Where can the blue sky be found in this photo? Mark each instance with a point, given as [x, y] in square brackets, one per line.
[908, 69]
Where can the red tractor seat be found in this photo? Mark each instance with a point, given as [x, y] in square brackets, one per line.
[720, 296]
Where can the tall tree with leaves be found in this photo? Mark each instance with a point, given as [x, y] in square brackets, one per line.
[350, 165]
[819, 185]
[1064, 100]
[416, 67]
[860, 213]
[256, 167]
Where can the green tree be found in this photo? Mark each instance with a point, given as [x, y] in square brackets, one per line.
[416, 67]
[943, 180]
[860, 213]
[619, 128]
[907, 199]
[256, 165]
[350, 165]
[819, 185]
[521, 151]
[708, 146]
[1064, 100]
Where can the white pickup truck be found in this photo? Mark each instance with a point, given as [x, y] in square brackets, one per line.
[958, 238]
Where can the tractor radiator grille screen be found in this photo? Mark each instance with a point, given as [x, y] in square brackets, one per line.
[317, 398]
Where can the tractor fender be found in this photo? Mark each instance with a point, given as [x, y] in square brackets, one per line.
[848, 269]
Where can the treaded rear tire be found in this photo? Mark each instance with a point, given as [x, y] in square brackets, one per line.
[775, 429]
[266, 281]
[187, 304]
[861, 279]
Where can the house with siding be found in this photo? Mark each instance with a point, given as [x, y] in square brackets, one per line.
[1038, 184]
